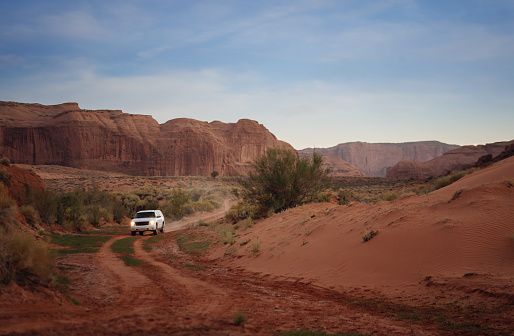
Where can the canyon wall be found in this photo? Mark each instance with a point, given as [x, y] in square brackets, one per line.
[457, 159]
[374, 158]
[112, 140]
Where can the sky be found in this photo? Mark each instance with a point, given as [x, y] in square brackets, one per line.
[315, 73]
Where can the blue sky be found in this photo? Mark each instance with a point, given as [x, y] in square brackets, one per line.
[315, 73]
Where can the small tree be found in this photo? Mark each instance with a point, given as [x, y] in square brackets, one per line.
[282, 180]
[214, 174]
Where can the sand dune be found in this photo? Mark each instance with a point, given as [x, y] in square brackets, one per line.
[460, 229]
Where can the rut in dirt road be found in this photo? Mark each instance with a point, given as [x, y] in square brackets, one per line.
[157, 297]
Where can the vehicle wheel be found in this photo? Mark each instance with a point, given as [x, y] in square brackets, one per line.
[162, 228]
[141, 233]
[133, 233]
[156, 231]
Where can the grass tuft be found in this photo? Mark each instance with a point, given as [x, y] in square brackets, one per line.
[131, 261]
[78, 244]
[191, 244]
[124, 246]
[239, 318]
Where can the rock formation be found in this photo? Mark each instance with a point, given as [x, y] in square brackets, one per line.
[374, 158]
[135, 144]
[337, 166]
[19, 182]
[456, 159]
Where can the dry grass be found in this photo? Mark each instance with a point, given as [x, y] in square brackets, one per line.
[21, 258]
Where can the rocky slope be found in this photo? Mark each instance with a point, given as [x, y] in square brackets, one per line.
[374, 158]
[456, 159]
[112, 140]
[337, 166]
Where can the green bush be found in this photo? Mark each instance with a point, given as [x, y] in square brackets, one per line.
[175, 205]
[282, 180]
[21, 257]
[451, 178]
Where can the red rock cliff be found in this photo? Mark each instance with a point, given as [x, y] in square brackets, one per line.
[456, 159]
[374, 158]
[136, 144]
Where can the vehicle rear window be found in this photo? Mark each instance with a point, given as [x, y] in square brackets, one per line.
[145, 214]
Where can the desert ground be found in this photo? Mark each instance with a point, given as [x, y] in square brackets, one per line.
[438, 264]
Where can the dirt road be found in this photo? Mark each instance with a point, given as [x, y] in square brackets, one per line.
[165, 296]
[180, 294]
[195, 218]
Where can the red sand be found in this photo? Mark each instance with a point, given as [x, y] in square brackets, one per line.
[419, 236]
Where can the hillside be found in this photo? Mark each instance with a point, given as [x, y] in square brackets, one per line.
[374, 158]
[457, 159]
[461, 229]
[111, 140]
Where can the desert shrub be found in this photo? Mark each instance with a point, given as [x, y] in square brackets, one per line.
[369, 235]
[5, 177]
[119, 211]
[203, 206]
[214, 174]
[256, 246]
[241, 210]
[247, 223]
[5, 161]
[175, 205]
[6, 202]
[323, 196]
[31, 215]
[96, 213]
[282, 180]
[226, 234]
[344, 196]
[239, 319]
[21, 257]
[390, 196]
[451, 178]
[46, 203]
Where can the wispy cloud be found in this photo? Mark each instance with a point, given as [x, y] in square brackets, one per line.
[349, 69]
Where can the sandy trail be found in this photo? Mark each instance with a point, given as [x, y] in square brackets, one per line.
[204, 216]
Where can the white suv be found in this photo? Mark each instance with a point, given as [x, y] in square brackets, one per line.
[147, 220]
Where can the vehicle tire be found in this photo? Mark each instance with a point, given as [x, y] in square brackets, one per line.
[156, 231]
[141, 233]
[133, 233]
[162, 228]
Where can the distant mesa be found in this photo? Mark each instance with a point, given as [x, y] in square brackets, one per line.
[337, 166]
[374, 158]
[111, 140]
[457, 159]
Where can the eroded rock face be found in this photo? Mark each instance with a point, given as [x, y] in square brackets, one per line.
[337, 166]
[374, 158]
[20, 182]
[135, 144]
[456, 159]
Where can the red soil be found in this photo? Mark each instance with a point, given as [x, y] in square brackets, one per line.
[441, 264]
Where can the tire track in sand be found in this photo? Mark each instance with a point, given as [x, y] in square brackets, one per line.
[199, 302]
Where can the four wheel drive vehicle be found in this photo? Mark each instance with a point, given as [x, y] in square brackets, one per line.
[147, 220]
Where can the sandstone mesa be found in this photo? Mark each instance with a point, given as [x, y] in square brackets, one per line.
[111, 140]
